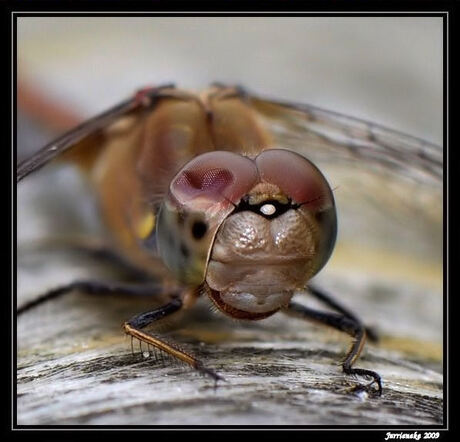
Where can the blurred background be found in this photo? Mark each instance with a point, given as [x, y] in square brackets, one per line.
[388, 70]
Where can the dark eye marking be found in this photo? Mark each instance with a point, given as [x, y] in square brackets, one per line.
[268, 209]
[199, 229]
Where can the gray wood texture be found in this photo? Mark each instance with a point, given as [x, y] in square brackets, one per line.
[75, 366]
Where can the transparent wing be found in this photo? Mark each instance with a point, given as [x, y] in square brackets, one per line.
[333, 137]
[388, 185]
[86, 133]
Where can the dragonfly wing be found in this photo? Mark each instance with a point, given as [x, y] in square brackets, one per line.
[86, 136]
[333, 137]
[388, 185]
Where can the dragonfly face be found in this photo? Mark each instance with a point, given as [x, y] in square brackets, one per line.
[253, 230]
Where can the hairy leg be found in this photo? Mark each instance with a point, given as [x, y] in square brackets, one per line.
[94, 287]
[134, 327]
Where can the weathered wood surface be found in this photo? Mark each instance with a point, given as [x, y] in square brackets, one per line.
[75, 365]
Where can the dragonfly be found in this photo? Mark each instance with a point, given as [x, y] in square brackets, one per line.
[218, 194]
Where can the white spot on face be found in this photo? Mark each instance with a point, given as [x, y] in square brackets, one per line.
[268, 209]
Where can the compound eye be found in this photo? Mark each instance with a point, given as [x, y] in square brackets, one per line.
[214, 177]
[202, 180]
[296, 176]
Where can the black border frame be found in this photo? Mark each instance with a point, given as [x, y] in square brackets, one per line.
[343, 8]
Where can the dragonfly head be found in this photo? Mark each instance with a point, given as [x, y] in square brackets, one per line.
[251, 231]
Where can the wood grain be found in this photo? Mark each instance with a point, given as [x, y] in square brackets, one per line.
[75, 366]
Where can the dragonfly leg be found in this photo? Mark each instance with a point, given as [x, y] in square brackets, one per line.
[134, 327]
[348, 325]
[94, 287]
[332, 303]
